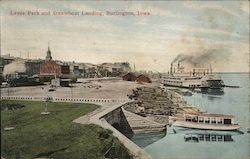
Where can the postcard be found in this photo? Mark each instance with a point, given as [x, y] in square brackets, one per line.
[125, 79]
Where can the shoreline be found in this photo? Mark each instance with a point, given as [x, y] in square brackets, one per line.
[158, 105]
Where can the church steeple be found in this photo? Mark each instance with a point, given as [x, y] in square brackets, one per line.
[48, 57]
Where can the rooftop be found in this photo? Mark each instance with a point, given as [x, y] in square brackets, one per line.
[211, 115]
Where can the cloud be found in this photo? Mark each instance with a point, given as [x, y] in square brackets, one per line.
[150, 42]
[212, 31]
[210, 6]
[245, 7]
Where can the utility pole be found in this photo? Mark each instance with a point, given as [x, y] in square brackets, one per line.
[47, 99]
[71, 90]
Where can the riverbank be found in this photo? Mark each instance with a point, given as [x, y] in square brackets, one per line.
[158, 104]
[54, 135]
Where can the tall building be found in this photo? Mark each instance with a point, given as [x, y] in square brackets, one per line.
[52, 68]
[48, 57]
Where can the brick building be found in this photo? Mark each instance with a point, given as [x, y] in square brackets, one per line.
[51, 67]
[143, 78]
[129, 77]
[136, 77]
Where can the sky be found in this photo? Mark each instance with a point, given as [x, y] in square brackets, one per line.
[151, 42]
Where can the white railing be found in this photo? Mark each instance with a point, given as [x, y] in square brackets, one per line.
[66, 99]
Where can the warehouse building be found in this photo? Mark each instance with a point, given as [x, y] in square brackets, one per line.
[136, 77]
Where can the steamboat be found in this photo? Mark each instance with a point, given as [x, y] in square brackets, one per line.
[202, 78]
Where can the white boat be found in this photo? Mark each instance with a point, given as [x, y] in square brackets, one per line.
[207, 121]
[207, 138]
[197, 78]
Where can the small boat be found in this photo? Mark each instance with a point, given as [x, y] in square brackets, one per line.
[207, 121]
[207, 138]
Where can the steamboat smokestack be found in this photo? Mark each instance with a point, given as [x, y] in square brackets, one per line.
[211, 69]
[171, 68]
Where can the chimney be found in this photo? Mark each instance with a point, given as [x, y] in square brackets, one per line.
[211, 69]
[171, 68]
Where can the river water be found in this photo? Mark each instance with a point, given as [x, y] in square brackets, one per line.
[199, 144]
